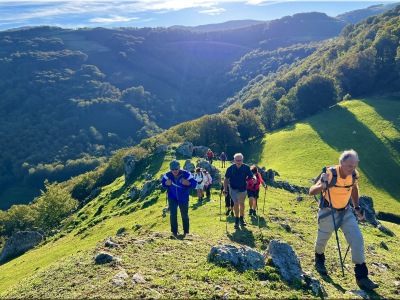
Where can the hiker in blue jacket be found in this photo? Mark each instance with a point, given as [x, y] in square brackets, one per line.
[178, 183]
[237, 175]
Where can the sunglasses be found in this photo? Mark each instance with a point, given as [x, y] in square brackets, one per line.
[174, 169]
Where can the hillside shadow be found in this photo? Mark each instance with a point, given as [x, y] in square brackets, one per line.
[376, 161]
[241, 236]
[253, 150]
[384, 113]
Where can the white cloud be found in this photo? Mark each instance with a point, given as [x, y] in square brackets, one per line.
[214, 11]
[111, 19]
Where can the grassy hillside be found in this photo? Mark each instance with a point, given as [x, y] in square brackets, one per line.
[63, 267]
[298, 152]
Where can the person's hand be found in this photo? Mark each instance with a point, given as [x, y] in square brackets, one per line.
[324, 177]
[185, 182]
[265, 186]
[168, 182]
[225, 192]
[360, 216]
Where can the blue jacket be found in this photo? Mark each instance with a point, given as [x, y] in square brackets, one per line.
[178, 191]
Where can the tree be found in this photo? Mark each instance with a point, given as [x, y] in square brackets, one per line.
[268, 112]
[53, 205]
[249, 124]
[315, 93]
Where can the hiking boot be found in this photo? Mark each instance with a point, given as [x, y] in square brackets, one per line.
[320, 264]
[237, 223]
[250, 212]
[242, 222]
[361, 272]
[232, 213]
[254, 213]
[367, 283]
[199, 200]
[227, 212]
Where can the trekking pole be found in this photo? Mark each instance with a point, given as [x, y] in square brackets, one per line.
[192, 195]
[220, 206]
[333, 217]
[265, 193]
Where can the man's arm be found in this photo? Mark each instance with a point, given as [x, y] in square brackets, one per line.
[356, 201]
[320, 185]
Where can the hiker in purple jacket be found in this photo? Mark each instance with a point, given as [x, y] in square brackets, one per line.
[223, 159]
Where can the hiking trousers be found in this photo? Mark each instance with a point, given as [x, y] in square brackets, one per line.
[349, 227]
[173, 208]
[207, 189]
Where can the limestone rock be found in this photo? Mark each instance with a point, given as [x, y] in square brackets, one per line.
[242, 257]
[138, 226]
[19, 243]
[104, 258]
[121, 230]
[380, 266]
[146, 189]
[138, 278]
[165, 210]
[200, 151]
[134, 193]
[148, 177]
[360, 293]
[189, 166]
[185, 149]
[284, 258]
[109, 242]
[383, 245]
[129, 166]
[269, 176]
[122, 275]
[95, 193]
[212, 170]
[117, 281]
[161, 149]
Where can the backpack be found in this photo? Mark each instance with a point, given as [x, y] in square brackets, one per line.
[321, 196]
[180, 177]
[240, 171]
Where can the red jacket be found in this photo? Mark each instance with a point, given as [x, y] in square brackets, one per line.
[254, 185]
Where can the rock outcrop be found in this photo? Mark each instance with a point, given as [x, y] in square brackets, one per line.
[161, 149]
[19, 243]
[129, 166]
[284, 258]
[189, 166]
[200, 151]
[146, 189]
[213, 171]
[185, 149]
[242, 257]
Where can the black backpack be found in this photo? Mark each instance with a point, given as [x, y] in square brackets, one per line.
[321, 196]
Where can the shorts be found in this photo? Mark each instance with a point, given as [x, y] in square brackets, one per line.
[254, 194]
[236, 196]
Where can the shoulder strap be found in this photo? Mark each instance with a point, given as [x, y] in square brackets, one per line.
[334, 176]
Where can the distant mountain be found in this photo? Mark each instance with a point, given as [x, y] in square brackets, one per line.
[221, 26]
[357, 15]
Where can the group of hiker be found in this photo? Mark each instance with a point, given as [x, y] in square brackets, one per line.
[210, 156]
[335, 186]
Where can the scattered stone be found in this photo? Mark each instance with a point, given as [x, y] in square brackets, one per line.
[146, 189]
[19, 243]
[193, 235]
[299, 236]
[94, 194]
[212, 201]
[122, 275]
[265, 283]
[284, 258]
[185, 149]
[165, 210]
[69, 230]
[189, 166]
[121, 230]
[299, 198]
[138, 226]
[200, 151]
[380, 266]
[218, 288]
[138, 278]
[129, 166]
[225, 296]
[148, 177]
[103, 258]
[178, 277]
[141, 242]
[360, 293]
[272, 208]
[110, 243]
[275, 219]
[385, 230]
[268, 175]
[154, 291]
[158, 235]
[280, 208]
[285, 226]
[397, 283]
[117, 281]
[160, 149]
[384, 245]
[242, 257]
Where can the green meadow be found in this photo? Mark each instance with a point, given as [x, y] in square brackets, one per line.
[63, 266]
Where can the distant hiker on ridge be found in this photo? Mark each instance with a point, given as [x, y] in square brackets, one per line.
[178, 183]
[343, 183]
[237, 174]
[223, 159]
[210, 156]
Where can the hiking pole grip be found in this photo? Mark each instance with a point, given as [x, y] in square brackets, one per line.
[333, 218]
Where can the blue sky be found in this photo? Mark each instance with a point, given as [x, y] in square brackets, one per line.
[153, 13]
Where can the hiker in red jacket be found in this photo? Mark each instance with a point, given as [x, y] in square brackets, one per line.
[253, 189]
[210, 156]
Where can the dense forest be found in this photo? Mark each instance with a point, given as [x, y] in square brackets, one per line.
[63, 115]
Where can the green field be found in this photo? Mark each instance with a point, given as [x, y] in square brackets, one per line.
[63, 267]
[298, 152]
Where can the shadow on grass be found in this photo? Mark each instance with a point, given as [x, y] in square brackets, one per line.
[329, 279]
[242, 236]
[376, 161]
[253, 150]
